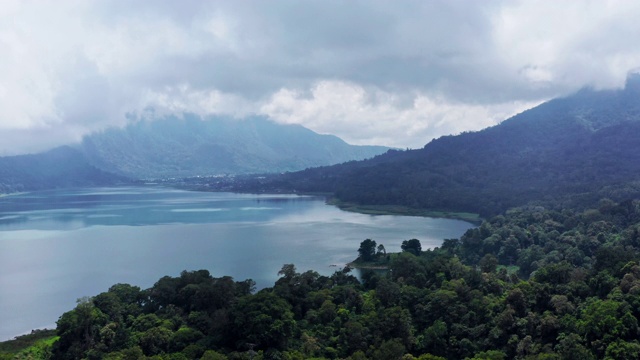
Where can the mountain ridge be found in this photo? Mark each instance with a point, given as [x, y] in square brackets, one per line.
[61, 167]
[567, 150]
[193, 146]
[171, 148]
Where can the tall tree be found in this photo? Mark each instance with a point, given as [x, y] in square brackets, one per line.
[413, 246]
[367, 250]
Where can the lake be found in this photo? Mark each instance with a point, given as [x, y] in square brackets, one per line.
[58, 246]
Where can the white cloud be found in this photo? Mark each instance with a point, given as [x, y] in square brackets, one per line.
[371, 72]
[373, 116]
[183, 99]
[575, 44]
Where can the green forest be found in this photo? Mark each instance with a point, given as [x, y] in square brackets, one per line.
[529, 284]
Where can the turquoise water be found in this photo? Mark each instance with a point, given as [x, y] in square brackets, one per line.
[58, 246]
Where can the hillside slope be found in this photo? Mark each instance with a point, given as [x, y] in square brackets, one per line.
[569, 151]
[172, 147]
[62, 167]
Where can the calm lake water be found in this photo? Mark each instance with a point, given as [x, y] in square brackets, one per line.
[58, 246]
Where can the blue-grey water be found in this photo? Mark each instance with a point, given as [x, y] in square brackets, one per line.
[58, 246]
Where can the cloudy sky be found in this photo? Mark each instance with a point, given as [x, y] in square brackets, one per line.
[395, 73]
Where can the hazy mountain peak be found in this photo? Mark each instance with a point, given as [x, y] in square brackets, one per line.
[190, 145]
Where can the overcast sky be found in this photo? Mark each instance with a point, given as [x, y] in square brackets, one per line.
[395, 73]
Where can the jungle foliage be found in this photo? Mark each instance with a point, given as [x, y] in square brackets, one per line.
[529, 284]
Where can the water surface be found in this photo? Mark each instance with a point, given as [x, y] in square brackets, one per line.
[58, 246]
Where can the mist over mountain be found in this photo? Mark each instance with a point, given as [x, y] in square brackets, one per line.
[174, 147]
[570, 151]
[191, 146]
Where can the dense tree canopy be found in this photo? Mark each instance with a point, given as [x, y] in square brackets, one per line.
[529, 284]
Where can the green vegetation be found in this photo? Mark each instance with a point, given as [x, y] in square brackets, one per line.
[529, 284]
[371, 256]
[36, 345]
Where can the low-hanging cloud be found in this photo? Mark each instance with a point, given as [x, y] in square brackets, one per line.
[382, 72]
[381, 117]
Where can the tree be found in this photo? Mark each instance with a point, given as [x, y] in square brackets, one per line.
[155, 340]
[367, 250]
[623, 350]
[606, 321]
[79, 330]
[381, 250]
[434, 339]
[388, 292]
[570, 347]
[288, 271]
[265, 320]
[389, 350]
[488, 263]
[412, 246]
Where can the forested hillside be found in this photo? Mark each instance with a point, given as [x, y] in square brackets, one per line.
[530, 284]
[62, 167]
[192, 146]
[569, 152]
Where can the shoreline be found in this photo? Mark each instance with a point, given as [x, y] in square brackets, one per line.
[472, 218]
[399, 210]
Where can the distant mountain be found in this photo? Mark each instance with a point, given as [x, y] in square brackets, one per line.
[62, 167]
[569, 151]
[191, 146]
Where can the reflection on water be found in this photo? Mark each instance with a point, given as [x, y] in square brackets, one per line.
[57, 246]
[55, 210]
